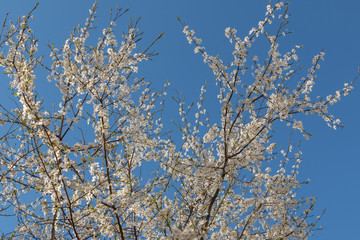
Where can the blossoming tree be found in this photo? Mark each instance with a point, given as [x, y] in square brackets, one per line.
[80, 169]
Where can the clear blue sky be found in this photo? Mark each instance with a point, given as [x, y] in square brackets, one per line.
[331, 158]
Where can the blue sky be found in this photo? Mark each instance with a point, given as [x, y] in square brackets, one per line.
[331, 158]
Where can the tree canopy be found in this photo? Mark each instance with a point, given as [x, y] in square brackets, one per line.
[98, 163]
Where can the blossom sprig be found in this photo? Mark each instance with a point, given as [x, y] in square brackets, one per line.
[230, 156]
[78, 183]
